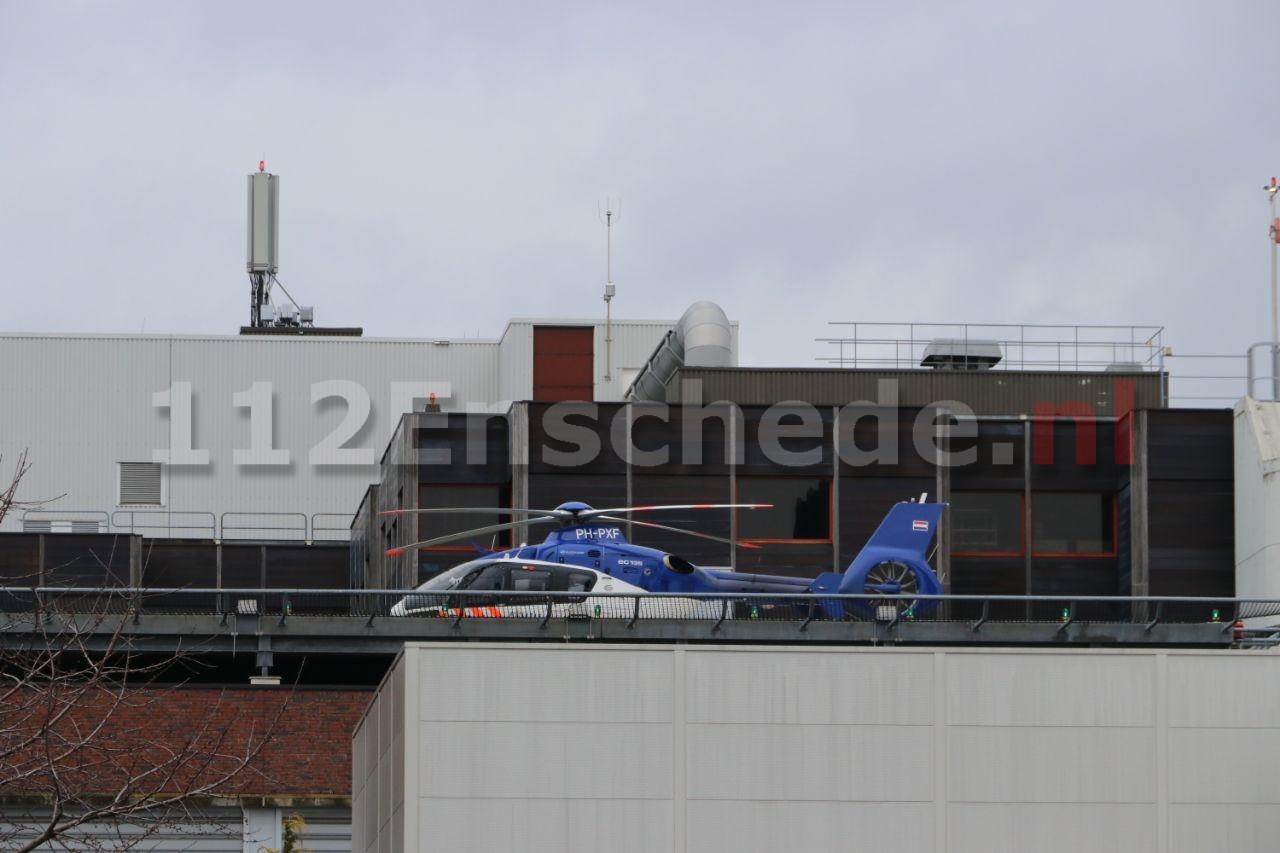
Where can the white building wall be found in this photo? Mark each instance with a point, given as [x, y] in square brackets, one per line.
[515, 361]
[591, 748]
[1257, 498]
[81, 404]
[633, 343]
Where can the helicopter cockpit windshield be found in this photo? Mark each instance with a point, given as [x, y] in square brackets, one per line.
[454, 578]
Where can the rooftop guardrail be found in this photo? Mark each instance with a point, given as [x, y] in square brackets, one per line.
[347, 618]
[1023, 346]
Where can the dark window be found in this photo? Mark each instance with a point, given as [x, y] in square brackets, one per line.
[801, 508]
[432, 525]
[986, 523]
[1070, 523]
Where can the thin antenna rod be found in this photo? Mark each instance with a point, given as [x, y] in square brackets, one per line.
[608, 216]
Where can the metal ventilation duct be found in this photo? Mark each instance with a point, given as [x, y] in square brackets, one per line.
[704, 334]
[961, 354]
[701, 338]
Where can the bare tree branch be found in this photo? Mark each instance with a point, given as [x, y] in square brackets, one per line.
[9, 494]
[83, 734]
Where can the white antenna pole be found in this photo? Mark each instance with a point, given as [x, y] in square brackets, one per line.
[608, 217]
[1272, 188]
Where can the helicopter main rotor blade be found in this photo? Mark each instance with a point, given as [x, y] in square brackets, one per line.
[592, 513]
[483, 510]
[465, 534]
[694, 533]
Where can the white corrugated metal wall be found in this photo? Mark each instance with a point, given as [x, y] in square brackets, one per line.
[639, 748]
[81, 404]
[1257, 499]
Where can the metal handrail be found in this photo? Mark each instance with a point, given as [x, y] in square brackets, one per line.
[1273, 376]
[1220, 601]
[60, 515]
[373, 617]
[133, 526]
[901, 344]
[316, 529]
[1227, 609]
[324, 526]
[259, 528]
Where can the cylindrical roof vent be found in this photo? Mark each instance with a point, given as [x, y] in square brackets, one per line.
[705, 336]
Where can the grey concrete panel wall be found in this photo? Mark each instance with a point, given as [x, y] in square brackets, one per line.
[586, 748]
[378, 770]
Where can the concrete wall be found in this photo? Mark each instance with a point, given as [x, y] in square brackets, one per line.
[378, 814]
[588, 748]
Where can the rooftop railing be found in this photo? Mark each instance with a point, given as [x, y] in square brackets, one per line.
[406, 614]
[1022, 346]
[181, 524]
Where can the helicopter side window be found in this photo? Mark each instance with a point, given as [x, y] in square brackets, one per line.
[579, 582]
[527, 579]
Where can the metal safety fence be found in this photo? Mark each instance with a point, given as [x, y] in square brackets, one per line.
[194, 524]
[418, 604]
[346, 621]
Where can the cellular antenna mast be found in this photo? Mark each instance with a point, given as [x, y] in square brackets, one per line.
[264, 204]
[264, 217]
[267, 317]
[609, 216]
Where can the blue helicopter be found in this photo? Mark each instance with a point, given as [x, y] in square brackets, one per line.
[893, 561]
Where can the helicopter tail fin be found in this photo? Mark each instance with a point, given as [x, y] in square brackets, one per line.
[903, 536]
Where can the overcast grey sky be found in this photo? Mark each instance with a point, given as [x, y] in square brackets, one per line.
[796, 162]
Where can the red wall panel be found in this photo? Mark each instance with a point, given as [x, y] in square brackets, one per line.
[563, 363]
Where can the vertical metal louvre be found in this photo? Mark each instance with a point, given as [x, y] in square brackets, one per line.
[140, 484]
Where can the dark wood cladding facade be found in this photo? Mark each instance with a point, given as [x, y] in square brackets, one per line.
[563, 363]
[684, 454]
[1170, 492]
[1191, 503]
